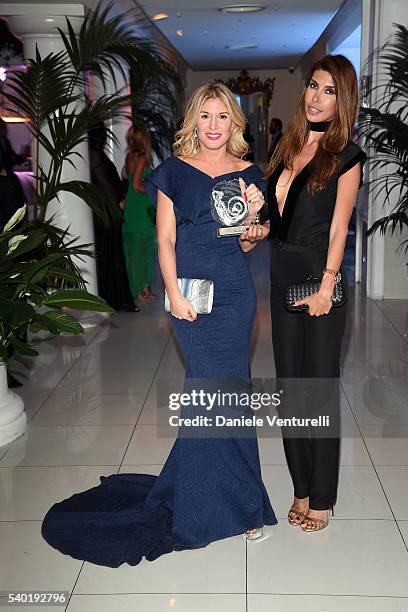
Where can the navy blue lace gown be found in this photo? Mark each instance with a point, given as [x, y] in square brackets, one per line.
[209, 488]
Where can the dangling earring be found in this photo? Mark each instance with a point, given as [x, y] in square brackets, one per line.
[195, 143]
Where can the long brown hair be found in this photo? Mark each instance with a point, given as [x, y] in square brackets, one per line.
[138, 142]
[335, 138]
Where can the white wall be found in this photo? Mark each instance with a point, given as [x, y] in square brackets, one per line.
[387, 269]
[287, 90]
[350, 48]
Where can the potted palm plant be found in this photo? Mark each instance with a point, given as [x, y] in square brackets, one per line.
[385, 128]
[53, 94]
[32, 268]
[39, 272]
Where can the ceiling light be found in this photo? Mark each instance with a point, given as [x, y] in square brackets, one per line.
[241, 46]
[179, 32]
[160, 16]
[14, 119]
[242, 8]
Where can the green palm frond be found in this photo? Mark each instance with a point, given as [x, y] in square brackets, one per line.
[385, 128]
[102, 204]
[107, 42]
[42, 89]
[159, 110]
[394, 222]
[395, 59]
[387, 132]
[161, 128]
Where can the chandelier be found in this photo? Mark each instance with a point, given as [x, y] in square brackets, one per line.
[244, 84]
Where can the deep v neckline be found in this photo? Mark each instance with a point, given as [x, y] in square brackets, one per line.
[212, 178]
[282, 211]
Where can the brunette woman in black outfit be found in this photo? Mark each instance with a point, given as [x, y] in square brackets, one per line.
[313, 179]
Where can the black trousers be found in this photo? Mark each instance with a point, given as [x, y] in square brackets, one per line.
[307, 360]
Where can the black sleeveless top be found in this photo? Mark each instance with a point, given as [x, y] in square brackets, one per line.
[307, 217]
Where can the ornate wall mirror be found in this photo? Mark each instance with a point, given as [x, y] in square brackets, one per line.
[254, 96]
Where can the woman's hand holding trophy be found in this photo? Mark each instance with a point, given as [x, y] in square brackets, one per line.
[254, 231]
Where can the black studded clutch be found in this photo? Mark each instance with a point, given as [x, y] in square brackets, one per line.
[300, 291]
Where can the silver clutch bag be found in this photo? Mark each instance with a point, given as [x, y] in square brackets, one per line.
[198, 291]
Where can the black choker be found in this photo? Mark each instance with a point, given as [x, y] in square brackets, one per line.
[319, 126]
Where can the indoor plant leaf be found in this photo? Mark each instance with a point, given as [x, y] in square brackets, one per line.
[15, 219]
[64, 322]
[78, 299]
[14, 242]
[23, 348]
[15, 313]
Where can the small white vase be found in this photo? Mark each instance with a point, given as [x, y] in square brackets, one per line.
[13, 419]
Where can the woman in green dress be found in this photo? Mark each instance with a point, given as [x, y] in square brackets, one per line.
[139, 242]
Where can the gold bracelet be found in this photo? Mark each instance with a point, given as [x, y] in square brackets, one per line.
[335, 273]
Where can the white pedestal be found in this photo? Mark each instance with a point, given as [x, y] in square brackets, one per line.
[13, 419]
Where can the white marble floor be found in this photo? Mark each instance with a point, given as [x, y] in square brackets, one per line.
[91, 405]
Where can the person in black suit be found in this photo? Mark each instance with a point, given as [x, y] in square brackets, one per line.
[275, 130]
[250, 140]
[113, 284]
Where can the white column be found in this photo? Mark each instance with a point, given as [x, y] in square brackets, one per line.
[386, 269]
[363, 197]
[116, 151]
[121, 125]
[13, 419]
[37, 25]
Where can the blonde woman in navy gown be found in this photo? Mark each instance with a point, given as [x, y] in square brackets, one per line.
[210, 487]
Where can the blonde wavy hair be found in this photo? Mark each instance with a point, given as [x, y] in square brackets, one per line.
[184, 144]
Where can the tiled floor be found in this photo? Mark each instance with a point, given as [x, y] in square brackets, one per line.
[91, 404]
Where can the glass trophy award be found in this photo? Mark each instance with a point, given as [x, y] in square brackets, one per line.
[229, 208]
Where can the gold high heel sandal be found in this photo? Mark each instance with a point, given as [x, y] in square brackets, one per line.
[319, 524]
[299, 516]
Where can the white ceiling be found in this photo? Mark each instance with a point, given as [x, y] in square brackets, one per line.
[283, 32]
